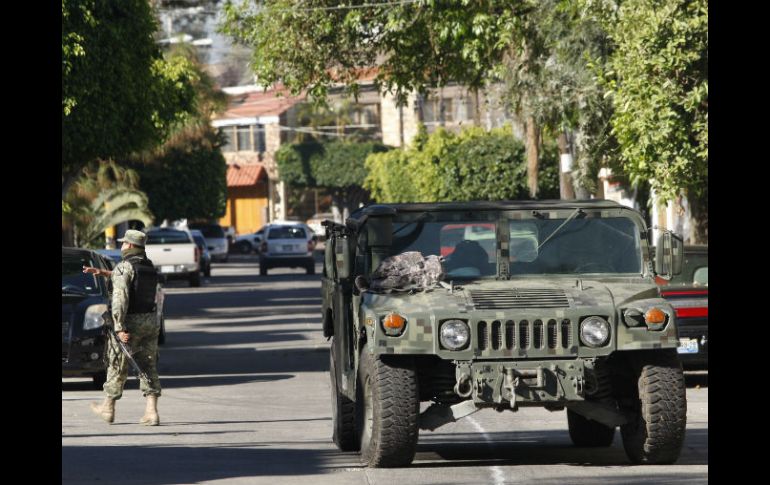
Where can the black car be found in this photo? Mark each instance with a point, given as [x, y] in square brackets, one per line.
[84, 298]
[688, 293]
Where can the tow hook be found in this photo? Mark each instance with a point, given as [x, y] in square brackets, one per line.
[463, 387]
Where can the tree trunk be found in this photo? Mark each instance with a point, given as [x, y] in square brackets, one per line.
[533, 136]
[566, 191]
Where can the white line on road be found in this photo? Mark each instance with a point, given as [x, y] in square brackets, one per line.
[497, 472]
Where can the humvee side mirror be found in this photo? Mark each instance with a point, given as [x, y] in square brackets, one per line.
[342, 258]
[669, 255]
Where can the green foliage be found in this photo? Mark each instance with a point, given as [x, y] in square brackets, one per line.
[341, 165]
[105, 195]
[473, 165]
[186, 178]
[659, 86]
[293, 162]
[118, 94]
[416, 45]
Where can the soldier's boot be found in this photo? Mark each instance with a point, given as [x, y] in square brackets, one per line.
[150, 417]
[105, 409]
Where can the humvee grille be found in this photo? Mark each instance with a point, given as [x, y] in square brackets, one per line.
[519, 298]
[499, 335]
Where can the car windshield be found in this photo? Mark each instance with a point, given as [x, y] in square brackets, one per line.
[287, 232]
[695, 271]
[73, 280]
[582, 245]
[468, 247]
[212, 231]
[168, 237]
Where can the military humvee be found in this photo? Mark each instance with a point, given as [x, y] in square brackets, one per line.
[559, 310]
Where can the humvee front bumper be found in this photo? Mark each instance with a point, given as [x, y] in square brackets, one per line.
[515, 383]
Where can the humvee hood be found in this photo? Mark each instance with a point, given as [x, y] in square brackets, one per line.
[566, 293]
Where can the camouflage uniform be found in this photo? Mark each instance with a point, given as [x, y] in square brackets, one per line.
[143, 328]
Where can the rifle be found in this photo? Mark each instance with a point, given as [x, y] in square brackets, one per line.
[108, 325]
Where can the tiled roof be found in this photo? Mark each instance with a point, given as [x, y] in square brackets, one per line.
[259, 103]
[245, 175]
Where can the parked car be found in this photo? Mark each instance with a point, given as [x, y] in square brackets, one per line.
[174, 254]
[84, 298]
[112, 258]
[200, 241]
[248, 243]
[315, 223]
[287, 245]
[216, 240]
[688, 293]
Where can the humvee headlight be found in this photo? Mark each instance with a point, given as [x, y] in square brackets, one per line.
[594, 331]
[454, 334]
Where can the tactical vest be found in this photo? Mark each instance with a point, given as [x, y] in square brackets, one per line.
[141, 296]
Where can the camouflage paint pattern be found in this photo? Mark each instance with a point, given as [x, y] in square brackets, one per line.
[488, 365]
[143, 328]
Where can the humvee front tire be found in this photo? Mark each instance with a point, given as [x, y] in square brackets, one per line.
[343, 413]
[387, 410]
[656, 435]
[587, 432]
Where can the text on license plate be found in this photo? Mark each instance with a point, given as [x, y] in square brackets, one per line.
[166, 269]
[287, 248]
[687, 346]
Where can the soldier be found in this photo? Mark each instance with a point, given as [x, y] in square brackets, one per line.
[134, 283]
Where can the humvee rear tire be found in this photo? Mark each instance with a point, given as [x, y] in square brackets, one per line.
[587, 432]
[343, 413]
[387, 410]
[656, 436]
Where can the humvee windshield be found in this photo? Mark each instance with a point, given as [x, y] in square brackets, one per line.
[470, 247]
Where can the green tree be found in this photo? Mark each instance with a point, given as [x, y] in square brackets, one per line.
[659, 86]
[337, 166]
[118, 93]
[473, 165]
[186, 177]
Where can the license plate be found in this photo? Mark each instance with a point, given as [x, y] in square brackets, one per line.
[688, 346]
[287, 248]
[166, 269]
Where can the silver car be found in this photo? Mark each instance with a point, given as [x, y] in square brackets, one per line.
[287, 245]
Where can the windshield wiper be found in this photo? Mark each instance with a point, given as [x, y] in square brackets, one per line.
[577, 212]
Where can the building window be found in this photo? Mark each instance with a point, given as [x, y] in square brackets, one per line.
[243, 133]
[259, 138]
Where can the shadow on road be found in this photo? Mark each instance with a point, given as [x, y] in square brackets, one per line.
[539, 448]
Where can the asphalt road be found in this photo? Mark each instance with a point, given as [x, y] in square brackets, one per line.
[246, 400]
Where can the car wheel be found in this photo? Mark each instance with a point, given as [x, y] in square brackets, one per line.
[387, 410]
[99, 379]
[195, 279]
[656, 434]
[162, 332]
[343, 413]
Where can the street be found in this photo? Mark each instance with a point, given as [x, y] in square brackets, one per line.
[246, 399]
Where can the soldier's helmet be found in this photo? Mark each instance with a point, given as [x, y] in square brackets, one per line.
[137, 238]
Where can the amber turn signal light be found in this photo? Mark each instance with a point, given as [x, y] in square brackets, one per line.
[655, 316]
[394, 321]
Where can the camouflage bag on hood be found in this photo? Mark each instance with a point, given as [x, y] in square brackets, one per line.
[409, 271]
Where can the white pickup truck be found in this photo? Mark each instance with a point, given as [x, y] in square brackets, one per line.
[174, 254]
